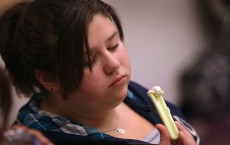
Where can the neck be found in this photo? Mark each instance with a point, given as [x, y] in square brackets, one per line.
[101, 121]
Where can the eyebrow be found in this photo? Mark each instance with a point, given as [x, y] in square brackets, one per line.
[112, 36]
[109, 39]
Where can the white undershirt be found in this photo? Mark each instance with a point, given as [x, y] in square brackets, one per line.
[153, 137]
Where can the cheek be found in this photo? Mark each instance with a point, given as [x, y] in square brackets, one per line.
[91, 79]
[90, 86]
[84, 97]
[125, 59]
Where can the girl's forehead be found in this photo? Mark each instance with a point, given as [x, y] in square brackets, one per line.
[100, 20]
[100, 29]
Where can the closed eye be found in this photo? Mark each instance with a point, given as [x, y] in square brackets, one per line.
[113, 48]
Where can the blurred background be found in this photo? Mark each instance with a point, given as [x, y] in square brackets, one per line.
[183, 47]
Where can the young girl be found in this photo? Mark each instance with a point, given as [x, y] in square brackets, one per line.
[69, 55]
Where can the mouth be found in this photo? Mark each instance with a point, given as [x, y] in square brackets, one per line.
[118, 81]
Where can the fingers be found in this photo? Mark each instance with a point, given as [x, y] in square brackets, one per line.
[37, 134]
[182, 130]
[43, 140]
[185, 138]
[164, 139]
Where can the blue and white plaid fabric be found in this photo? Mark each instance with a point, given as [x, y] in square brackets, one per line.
[30, 115]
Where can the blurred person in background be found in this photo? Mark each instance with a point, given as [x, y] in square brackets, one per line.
[5, 105]
[5, 101]
[205, 86]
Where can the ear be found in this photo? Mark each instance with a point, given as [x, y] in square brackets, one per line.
[47, 80]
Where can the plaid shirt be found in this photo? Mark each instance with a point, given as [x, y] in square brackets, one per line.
[32, 116]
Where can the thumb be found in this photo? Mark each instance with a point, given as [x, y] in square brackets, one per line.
[164, 139]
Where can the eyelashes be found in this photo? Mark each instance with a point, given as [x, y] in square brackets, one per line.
[89, 62]
[113, 47]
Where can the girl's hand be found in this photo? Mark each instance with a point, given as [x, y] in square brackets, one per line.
[165, 138]
[185, 138]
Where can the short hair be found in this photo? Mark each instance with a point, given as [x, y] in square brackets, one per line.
[49, 35]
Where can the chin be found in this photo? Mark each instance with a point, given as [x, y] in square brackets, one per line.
[123, 93]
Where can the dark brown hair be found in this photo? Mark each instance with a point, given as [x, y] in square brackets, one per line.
[49, 35]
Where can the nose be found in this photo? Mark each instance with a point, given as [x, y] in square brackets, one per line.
[111, 63]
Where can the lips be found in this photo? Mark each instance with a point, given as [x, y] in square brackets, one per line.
[118, 81]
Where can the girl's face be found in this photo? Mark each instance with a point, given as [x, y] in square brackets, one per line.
[106, 85]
